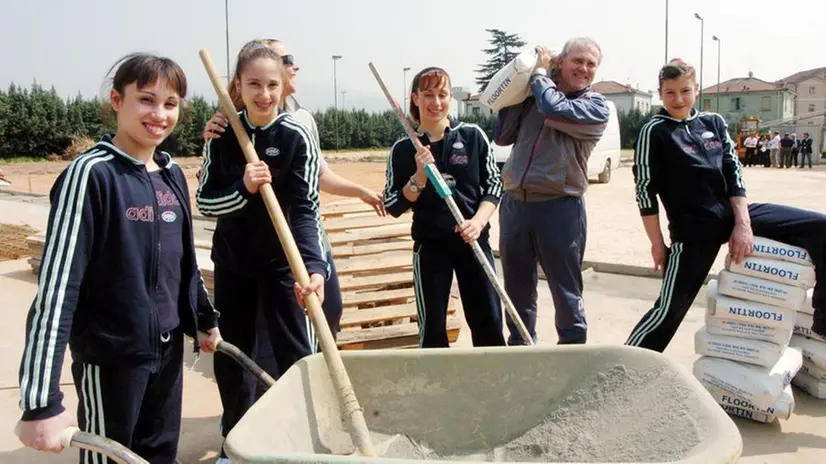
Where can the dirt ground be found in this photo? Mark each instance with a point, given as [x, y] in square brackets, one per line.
[13, 241]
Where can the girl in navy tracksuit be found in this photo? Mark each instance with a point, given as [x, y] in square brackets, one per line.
[118, 280]
[251, 268]
[465, 158]
[688, 161]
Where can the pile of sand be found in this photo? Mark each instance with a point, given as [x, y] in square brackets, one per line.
[616, 415]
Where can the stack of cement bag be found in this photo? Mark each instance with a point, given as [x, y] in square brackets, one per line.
[812, 376]
[747, 361]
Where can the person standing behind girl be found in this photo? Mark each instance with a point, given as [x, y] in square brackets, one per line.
[251, 268]
[119, 281]
[464, 156]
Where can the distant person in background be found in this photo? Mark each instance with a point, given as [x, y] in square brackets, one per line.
[751, 149]
[763, 151]
[774, 150]
[806, 150]
[786, 145]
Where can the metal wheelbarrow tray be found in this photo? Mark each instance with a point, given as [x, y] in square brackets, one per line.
[583, 403]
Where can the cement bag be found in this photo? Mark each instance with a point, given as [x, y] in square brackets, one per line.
[737, 349]
[810, 385]
[772, 249]
[760, 290]
[752, 331]
[812, 370]
[803, 326]
[813, 350]
[782, 408]
[509, 86]
[722, 306]
[774, 270]
[761, 386]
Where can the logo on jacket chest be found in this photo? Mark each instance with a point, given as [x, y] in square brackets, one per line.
[272, 152]
[140, 213]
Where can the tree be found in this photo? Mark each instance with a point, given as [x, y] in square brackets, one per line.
[502, 52]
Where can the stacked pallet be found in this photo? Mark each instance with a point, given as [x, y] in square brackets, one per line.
[374, 260]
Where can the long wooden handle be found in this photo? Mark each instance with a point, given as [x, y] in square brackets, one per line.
[433, 173]
[73, 437]
[350, 408]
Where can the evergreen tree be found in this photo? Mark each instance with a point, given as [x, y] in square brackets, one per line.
[503, 50]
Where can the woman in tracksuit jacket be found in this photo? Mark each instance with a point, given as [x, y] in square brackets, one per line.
[465, 158]
[688, 161]
[118, 281]
[251, 268]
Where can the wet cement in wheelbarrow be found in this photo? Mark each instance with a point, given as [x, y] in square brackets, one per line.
[615, 415]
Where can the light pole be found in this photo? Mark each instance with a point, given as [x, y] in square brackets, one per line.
[404, 88]
[343, 101]
[717, 39]
[335, 95]
[226, 26]
[702, 25]
[666, 31]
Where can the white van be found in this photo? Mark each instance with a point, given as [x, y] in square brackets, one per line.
[604, 159]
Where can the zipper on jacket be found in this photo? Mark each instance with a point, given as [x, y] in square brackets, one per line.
[530, 159]
[193, 262]
[156, 251]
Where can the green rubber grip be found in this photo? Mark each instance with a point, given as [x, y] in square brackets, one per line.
[437, 180]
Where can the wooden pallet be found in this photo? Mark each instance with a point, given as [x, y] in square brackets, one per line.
[373, 258]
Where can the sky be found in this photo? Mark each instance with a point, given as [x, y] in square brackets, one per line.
[71, 45]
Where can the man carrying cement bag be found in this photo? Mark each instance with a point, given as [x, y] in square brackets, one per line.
[542, 213]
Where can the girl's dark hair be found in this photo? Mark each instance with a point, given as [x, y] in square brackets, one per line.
[676, 69]
[253, 50]
[428, 78]
[145, 69]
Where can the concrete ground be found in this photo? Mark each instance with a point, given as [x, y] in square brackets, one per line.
[614, 303]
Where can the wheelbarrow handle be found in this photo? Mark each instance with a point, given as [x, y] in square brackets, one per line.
[238, 356]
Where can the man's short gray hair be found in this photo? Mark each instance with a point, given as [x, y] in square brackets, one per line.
[581, 41]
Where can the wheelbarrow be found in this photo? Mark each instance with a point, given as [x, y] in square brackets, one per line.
[583, 403]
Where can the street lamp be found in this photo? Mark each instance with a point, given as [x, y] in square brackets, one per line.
[343, 101]
[226, 26]
[404, 87]
[666, 31]
[702, 25]
[335, 96]
[717, 39]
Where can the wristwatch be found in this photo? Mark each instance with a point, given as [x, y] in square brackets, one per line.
[414, 186]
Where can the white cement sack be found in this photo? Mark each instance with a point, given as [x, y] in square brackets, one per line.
[782, 408]
[772, 249]
[737, 349]
[509, 86]
[760, 290]
[775, 270]
[813, 350]
[810, 385]
[748, 414]
[810, 368]
[761, 386]
[803, 326]
[722, 306]
[753, 331]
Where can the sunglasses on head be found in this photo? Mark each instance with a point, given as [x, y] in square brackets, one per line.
[287, 60]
